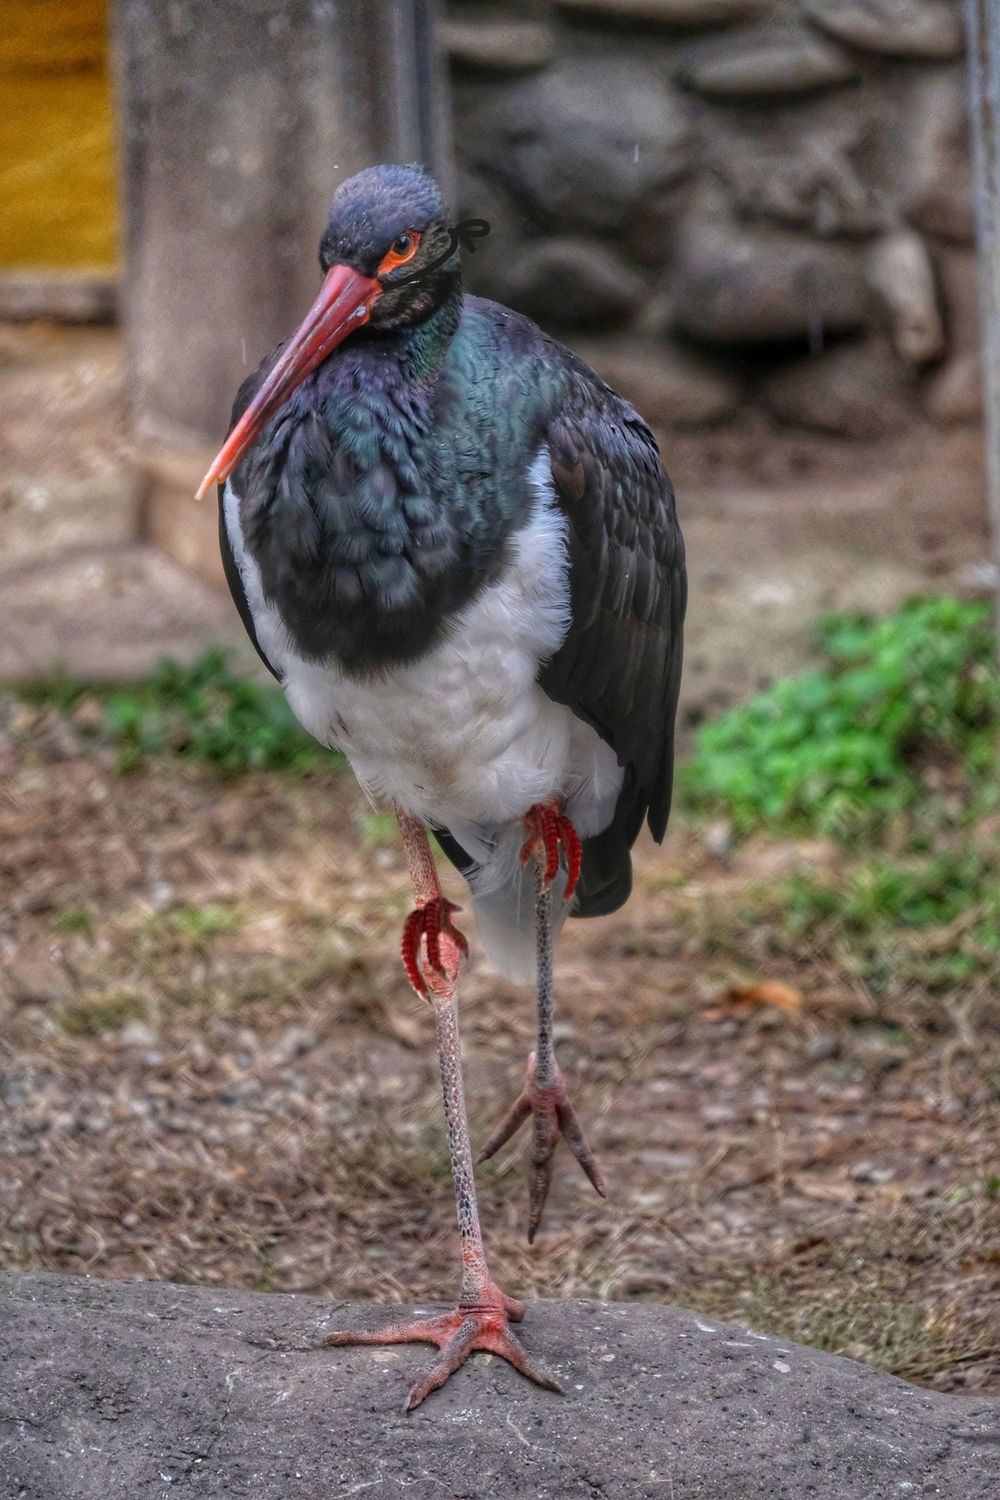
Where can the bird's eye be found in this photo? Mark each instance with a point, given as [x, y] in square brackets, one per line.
[404, 248]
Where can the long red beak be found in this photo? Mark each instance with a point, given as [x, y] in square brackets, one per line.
[344, 303]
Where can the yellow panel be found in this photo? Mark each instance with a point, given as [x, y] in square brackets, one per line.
[56, 157]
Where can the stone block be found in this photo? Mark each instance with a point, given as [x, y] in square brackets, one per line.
[803, 172]
[110, 615]
[936, 169]
[184, 528]
[586, 143]
[958, 271]
[667, 385]
[59, 296]
[893, 28]
[733, 286]
[679, 13]
[498, 46]
[859, 390]
[572, 283]
[955, 394]
[768, 63]
[899, 270]
[486, 270]
[45, 518]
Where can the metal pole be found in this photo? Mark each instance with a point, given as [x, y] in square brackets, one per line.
[983, 25]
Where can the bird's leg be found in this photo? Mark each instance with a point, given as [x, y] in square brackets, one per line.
[544, 1096]
[484, 1313]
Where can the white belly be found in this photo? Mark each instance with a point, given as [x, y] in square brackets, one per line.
[463, 738]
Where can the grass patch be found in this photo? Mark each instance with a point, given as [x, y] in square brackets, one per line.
[199, 922]
[890, 748]
[75, 919]
[900, 708]
[379, 830]
[93, 1017]
[204, 712]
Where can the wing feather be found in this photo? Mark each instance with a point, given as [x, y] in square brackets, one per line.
[619, 666]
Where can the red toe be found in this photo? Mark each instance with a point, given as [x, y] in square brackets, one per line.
[422, 937]
[483, 1323]
[550, 829]
[554, 1116]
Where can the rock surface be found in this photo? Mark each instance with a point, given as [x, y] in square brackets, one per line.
[782, 61]
[498, 46]
[107, 613]
[667, 12]
[585, 142]
[118, 1391]
[857, 391]
[667, 386]
[732, 286]
[899, 269]
[572, 282]
[895, 28]
[802, 179]
[955, 394]
[935, 160]
[47, 518]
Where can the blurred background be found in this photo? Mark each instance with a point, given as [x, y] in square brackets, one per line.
[755, 219]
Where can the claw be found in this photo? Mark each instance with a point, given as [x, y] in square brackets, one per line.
[548, 827]
[431, 923]
[481, 1324]
[553, 1116]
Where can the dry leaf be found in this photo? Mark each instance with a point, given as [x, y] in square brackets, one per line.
[767, 992]
[823, 1191]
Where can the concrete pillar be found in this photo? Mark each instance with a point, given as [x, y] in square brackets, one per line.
[237, 120]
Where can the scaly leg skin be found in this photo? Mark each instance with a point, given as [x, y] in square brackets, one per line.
[484, 1313]
[544, 1096]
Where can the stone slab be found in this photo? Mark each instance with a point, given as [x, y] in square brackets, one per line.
[121, 1391]
[59, 296]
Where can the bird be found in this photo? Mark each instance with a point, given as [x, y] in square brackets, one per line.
[457, 549]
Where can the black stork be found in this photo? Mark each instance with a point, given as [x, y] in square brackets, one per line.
[457, 550]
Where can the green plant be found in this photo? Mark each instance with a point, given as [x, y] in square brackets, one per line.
[204, 712]
[90, 1018]
[897, 705]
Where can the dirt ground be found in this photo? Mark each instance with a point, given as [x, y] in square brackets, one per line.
[212, 1070]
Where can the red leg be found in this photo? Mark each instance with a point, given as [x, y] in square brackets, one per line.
[484, 1313]
[544, 1096]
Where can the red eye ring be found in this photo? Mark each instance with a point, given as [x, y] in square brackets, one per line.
[399, 255]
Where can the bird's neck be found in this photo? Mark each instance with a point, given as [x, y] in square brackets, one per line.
[420, 350]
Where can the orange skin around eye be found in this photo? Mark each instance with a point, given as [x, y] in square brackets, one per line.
[394, 259]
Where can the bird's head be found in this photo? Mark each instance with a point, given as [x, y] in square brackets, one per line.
[389, 261]
[388, 225]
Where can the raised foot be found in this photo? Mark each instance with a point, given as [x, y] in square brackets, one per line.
[480, 1324]
[550, 830]
[553, 1116]
[428, 929]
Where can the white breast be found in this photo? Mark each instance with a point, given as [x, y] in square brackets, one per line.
[464, 738]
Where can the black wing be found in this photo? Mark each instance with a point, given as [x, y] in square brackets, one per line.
[619, 667]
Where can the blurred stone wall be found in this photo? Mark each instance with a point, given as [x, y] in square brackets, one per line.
[731, 206]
